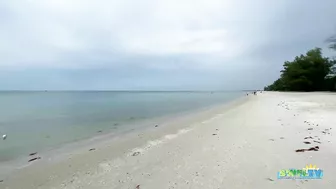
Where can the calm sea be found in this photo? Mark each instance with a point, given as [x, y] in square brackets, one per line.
[36, 121]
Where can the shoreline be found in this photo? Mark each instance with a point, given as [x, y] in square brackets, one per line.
[73, 131]
[238, 145]
[61, 152]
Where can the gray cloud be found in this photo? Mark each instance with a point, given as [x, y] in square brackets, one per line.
[190, 44]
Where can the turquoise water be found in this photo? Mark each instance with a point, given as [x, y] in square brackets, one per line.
[36, 121]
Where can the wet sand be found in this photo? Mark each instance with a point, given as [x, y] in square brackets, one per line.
[241, 145]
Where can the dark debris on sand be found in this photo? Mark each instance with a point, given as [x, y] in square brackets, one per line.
[269, 179]
[316, 148]
[34, 153]
[136, 153]
[33, 159]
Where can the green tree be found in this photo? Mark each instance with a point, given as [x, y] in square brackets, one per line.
[278, 85]
[305, 73]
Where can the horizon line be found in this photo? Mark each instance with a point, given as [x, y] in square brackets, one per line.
[127, 90]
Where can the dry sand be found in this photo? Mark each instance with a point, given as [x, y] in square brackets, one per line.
[242, 145]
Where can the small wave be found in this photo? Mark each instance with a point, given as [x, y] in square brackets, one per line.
[158, 142]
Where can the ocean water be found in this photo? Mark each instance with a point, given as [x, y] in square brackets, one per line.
[37, 121]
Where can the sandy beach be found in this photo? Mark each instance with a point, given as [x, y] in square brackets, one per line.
[239, 145]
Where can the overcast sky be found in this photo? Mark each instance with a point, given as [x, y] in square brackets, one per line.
[156, 44]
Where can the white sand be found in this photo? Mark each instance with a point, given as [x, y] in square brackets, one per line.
[242, 146]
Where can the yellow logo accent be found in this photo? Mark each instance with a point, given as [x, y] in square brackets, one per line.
[311, 167]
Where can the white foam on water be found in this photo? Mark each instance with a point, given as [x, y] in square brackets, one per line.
[154, 143]
[169, 137]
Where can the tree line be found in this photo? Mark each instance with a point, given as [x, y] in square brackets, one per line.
[308, 72]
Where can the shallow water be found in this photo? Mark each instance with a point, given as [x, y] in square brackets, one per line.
[37, 121]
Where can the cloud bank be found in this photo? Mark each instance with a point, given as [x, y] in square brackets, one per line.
[167, 44]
